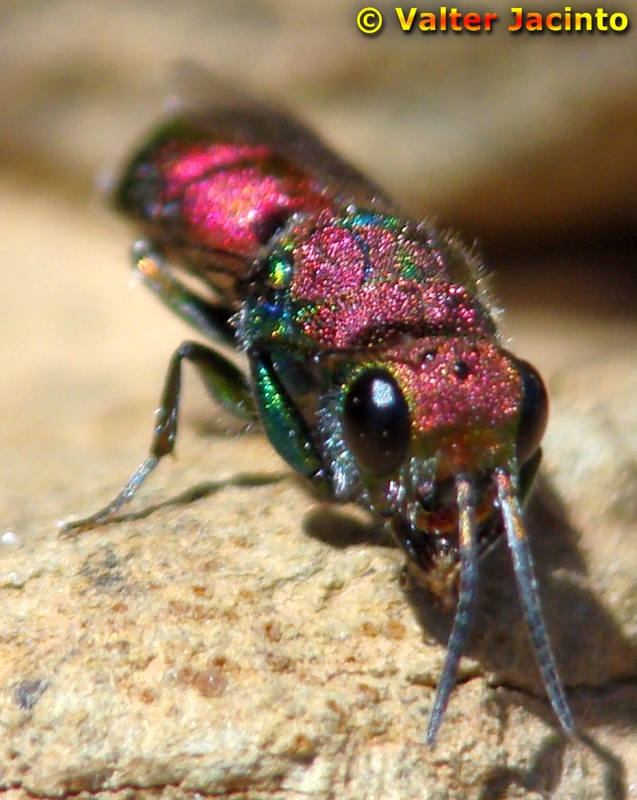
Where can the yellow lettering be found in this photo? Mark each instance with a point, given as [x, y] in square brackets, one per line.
[406, 22]
[488, 19]
[588, 20]
[600, 14]
[549, 22]
[517, 12]
[472, 22]
[427, 22]
[621, 25]
[533, 21]
[454, 16]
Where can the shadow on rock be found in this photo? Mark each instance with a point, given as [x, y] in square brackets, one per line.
[342, 527]
[197, 492]
[591, 650]
[589, 645]
[547, 768]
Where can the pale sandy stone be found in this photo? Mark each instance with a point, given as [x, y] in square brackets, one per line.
[250, 641]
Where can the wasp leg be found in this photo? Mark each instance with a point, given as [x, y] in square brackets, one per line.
[226, 384]
[284, 426]
[210, 320]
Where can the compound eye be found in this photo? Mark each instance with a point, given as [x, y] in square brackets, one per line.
[376, 423]
[534, 413]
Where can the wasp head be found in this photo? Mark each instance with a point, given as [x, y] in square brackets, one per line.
[443, 435]
[425, 415]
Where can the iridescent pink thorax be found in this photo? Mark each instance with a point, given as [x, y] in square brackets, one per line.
[377, 313]
[365, 284]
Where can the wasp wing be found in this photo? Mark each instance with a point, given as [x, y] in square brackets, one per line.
[228, 112]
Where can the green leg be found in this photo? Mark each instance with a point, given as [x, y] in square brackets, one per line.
[210, 320]
[284, 425]
[226, 384]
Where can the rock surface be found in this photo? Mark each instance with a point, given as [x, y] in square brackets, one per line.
[247, 641]
[229, 636]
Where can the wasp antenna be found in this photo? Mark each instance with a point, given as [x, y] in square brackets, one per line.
[527, 589]
[466, 600]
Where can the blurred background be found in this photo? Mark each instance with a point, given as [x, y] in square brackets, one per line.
[525, 144]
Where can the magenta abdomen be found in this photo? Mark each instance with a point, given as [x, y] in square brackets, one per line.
[191, 193]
